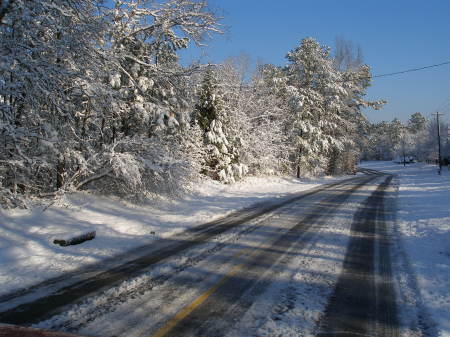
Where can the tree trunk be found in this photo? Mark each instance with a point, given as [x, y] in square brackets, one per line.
[60, 172]
[332, 168]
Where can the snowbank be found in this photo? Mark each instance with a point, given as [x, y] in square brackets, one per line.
[28, 254]
[424, 223]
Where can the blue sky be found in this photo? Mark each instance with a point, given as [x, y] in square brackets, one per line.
[394, 35]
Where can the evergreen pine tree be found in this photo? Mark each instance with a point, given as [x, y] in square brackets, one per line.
[206, 110]
[221, 160]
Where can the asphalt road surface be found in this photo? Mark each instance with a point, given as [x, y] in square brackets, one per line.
[214, 279]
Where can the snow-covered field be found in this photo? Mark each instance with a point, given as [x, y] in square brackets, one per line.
[28, 255]
[424, 225]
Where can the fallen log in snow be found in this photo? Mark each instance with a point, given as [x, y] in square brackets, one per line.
[75, 240]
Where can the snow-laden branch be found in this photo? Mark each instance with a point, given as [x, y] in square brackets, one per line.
[93, 178]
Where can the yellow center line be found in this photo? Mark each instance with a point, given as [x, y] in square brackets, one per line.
[199, 300]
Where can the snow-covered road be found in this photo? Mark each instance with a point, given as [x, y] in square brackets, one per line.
[268, 270]
[422, 250]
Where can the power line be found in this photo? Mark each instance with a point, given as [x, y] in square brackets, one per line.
[397, 72]
[411, 70]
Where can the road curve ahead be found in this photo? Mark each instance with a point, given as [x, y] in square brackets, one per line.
[242, 275]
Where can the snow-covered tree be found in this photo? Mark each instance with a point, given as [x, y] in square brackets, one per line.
[48, 67]
[145, 38]
[313, 87]
[209, 103]
[252, 115]
[417, 122]
[93, 95]
[264, 142]
[347, 55]
[353, 125]
[418, 131]
[221, 160]
[431, 147]
[391, 140]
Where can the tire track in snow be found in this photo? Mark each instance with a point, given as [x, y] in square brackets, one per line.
[364, 301]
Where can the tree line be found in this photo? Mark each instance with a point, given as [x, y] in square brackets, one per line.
[416, 139]
[93, 96]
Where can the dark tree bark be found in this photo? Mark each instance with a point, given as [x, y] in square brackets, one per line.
[60, 172]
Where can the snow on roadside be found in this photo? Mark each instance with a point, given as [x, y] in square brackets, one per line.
[28, 255]
[424, 224]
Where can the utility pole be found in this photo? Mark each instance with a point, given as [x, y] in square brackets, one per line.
[403, 135]
[439, 140]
